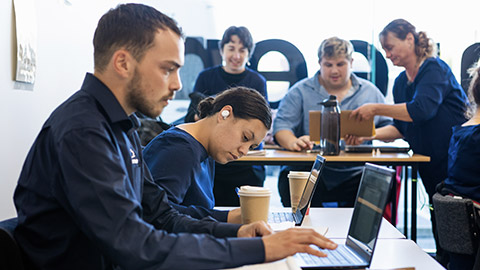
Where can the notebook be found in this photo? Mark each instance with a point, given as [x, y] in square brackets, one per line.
[307, 195]
[357, 251]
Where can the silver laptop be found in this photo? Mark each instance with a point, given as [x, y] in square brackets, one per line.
[357, 251]
[307, 195]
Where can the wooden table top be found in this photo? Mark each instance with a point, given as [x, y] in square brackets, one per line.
[290, 156]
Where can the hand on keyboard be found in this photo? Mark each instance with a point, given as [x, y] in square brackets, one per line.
[286, 243]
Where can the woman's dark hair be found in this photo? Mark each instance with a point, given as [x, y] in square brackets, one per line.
[424, 46]
[242, 33]
[129, 26]
[474, 88]
[247, 103]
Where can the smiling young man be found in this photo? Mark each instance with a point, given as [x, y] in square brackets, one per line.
[236, 48]
[291, 125]
[85, 198]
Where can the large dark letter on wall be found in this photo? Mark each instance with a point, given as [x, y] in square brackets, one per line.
[381, 69]
[296, 61]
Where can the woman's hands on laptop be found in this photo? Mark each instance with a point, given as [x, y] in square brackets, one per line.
[286, 243]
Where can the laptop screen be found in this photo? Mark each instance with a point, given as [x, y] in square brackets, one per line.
[309, 188]
[369, 206]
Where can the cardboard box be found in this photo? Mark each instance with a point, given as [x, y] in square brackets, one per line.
[364, 128]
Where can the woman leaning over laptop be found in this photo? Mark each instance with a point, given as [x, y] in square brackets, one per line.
[182, 159]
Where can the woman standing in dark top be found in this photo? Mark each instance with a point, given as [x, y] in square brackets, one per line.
[428, 102]
[236, 47]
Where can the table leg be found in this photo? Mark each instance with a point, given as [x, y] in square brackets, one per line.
[394, 199]
[414, 202]
[405, 201]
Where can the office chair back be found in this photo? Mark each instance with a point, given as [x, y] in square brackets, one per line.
[455, 219]
[10, 253]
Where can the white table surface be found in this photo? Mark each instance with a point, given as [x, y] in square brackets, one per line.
[400, 253]
[338, 221]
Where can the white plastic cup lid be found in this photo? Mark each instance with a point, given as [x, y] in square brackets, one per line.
[297, 174]
[253, 191]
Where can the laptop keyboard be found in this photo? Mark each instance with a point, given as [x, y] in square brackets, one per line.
[339, 256]
[278, 217]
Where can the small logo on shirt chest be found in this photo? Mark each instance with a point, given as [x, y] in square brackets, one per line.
[133, 157]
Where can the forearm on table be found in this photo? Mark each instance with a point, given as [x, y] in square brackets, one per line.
[285, 138]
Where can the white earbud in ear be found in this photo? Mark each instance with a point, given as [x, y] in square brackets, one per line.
[225, 114]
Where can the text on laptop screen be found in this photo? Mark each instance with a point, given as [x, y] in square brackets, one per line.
[371, 200]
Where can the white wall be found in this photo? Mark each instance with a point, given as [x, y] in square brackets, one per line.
[63, 56]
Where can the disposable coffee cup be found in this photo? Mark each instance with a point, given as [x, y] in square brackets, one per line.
[297, 181]
[254, 203]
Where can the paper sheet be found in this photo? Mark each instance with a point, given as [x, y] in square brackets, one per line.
[26, 28]
[257, 153]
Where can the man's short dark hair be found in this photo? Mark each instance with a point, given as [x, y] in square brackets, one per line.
[129, 26]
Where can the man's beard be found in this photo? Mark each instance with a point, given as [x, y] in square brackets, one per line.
[137, 100]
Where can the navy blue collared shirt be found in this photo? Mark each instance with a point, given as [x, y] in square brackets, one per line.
[436, 102]
[86, 200]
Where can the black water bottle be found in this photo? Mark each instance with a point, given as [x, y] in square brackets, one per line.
[330, 127]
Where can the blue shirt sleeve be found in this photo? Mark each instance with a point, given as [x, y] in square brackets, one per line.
[199, 212]
[290, 112]
[430, 93]
[180, 165]
[171, 161]
[112, 210]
